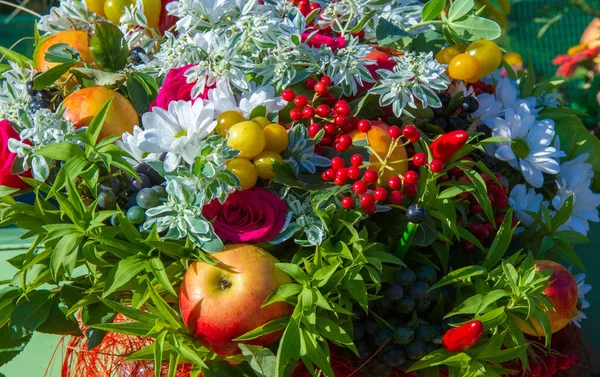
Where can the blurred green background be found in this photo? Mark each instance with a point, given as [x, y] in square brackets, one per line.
[525, 21]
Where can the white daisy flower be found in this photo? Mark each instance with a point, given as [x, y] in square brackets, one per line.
[177, 131]
[130, 144]
[530, 150]
[585, 206]
[522, 199]
[576, 172]
[582, 290]
[224, 99]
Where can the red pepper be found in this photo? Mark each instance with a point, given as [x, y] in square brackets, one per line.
[445, 146]
[463, 337]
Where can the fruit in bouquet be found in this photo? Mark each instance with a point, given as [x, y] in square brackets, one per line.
[463, 67]
[245, 170]
[264, 163]
[228, 119]
[445, 146]
[487, 54]
[462, 338]
[221, 302]
[248, 138]
[76, 39]
[114, 9]
[276, 138]
[380, 141]
[563, 295]
[96, 6]
[81, 107]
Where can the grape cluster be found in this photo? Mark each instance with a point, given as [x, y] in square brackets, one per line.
[43, 99]
[458, 118]
[402, 338]
[547, 366]
[134, 196]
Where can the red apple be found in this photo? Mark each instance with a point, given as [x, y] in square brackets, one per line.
[562, 293]
[221, 302]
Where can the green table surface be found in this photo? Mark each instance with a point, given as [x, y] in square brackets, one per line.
[34, 361]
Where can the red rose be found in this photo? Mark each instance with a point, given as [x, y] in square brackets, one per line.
[7, 178]
[176, 88]
[248, 216]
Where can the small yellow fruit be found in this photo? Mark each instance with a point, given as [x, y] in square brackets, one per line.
[276, 138]
[114, 9]
[447, 54]
[261, 121]
[264, 163]
[96, 6]
[248, 138]
[245, 171]
[226, 120]
[463, 67]
[487, 54]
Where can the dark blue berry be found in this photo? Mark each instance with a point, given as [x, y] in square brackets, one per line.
[393, 356]
[406, 277]
[416, 350]
[161, 191]
[114, 220]
[419, 291]
[136, 54]
[107, 200]
[136, 215]
[364, 351]
[137, 185]
[415, 213]
[147, 198]
[371, 327]
[427, 274]
[382, 337]
[404, 306]
[155, 178]
[114, 186]
[393, 293]
[403, 335]
[31, 88]
[44, 94]
[359, 332]
[470, 104]
[426, 333]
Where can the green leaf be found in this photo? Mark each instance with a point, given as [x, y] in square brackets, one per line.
[32, 311]
[57, 322]
[108, 47]
[100, 78]
[267, 328]
[294, 271]
[432, 9]
[158, 269]
[158, 353]
[65, 254]
[459, 9]
[258, 111]
[460, 275]
[261, 360]
[5, 191]
[97, 122]
[493, 318]
[472, 28]
[491, 298]
[163, 310]
[439, 357]
[388, 33]
[128, 311]
[563, 214]
[282, 293]
[138, 93]
[501, 241]
[50, 76]
[289, 345]
[15, 57]
[122, 273]
[128, 328]
[10, 346]
[332, 331]
[571, 236]
[60, 151]
[61, 53]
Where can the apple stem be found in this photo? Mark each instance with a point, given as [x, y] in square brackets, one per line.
[225, 284]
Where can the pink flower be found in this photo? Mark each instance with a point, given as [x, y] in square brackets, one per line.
[176, 88]
[319, 40]
[7, 178]
[254, 216]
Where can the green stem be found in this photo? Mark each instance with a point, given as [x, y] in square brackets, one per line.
[406, 239]
[433, 22]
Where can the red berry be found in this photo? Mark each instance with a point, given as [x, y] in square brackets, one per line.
[475, 208]
[330, 174]
[310, 83]
[503, 191]
[353, 172]
[455, 172]
[339, 181]
[492, 198]
[314, 6]
[345, 140]
[493, 188]
[356, 159]
[395, 183]
[367, 200]
[476, 228]
[340, 120]
[394, 132]
[490, 228]
[337, 163]
[547, 373]
[380, 194]
[370, 176]
[360, 187]
[304, 9]
[420, 159]
[409, 131]
[415, 138]
[321, 88]
[340, 147]
[296, 114]
[468, 247]
[501, 201]
[308, 112]
[343, 109]
[341, 102]
[301, 101]
[410, 190]
[331, 129]
[330, 99]
[313, 130]
[443, 178]
[574, 359]
[353, 121]
[564, 363]
[348, 202]
[326, 79]
[324, 177]
[342, 175]
[396, 197]
[551, 363]
[411, 177]
[326, 141]
[323, 111]
[499, 219]
[436, 166]
[288, 95]
[364, 125]
[535, 370]
[369, 209]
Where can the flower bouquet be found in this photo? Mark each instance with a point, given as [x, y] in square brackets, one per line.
[293, 188]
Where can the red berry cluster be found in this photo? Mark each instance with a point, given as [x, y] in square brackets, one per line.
[305, 6]
[481, 87]
[546, 367]
[481, 228]
[366, 185]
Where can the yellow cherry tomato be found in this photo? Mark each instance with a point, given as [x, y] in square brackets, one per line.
[460, 48]
[96, 6]
[447, 54]
[261, 121]
[152, 11]
[114, 9]
[226, 120]
[276, 138]
[463, 67]
[513, 59]
[248, 138]
[245, 171]
[487, 54]
[264, 163]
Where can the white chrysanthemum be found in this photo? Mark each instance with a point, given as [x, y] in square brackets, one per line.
[530, 151]
[177, 131]
[522, 199]
[585, 206]
[576, 172]
[582, 290]
[506, 95]
[130, 144]
[224, 99]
